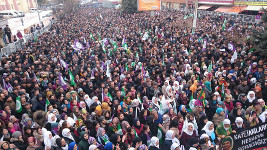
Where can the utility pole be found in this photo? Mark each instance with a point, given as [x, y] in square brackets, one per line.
[195, 16]
[186, 4]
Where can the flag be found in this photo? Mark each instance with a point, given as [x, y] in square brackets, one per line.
[234, 57]
[145, 37]
[123, 92]
[223, 92]
[223, 25]
[4, 84]
[126, 68]
[87, 45]
[46, 104]
[119, 130]
[115, 46]
[35, 37]
[204, 45]
[191, 15]
[34, 76]
[191, 98]
[140, 48]
[101, 16]
[135, 134]
[201, 96]
[93, 73]
[231, 46]
[92, 37]
[9, 88]
[210, 67]
[185, 17]
[103, 47]
[108, 72]
[63, 64]
[72, 82]
[110, 97]
[77, 45]
[160, 135]
[193, 31]
[231, 28]
[163, 60]
[18, 105]
[62, 82]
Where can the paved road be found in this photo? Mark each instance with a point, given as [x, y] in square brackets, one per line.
[29, 20]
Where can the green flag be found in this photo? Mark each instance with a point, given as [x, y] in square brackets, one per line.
[99, 38]
[119, 130]
[46, 104]
[163, 60]
[72, 82]
[223, 25]
[140, 48]
[92, 37]
[18, 105]
[210, 67]
[159, 135]
[193, 30]
[191, 98]
[185, 17]
[115, 46]
[122, 92]
[191, 15]
[110, 97]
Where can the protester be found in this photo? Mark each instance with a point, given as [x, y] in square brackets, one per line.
[103, 79]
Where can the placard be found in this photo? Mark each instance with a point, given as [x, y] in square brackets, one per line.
[146, 5]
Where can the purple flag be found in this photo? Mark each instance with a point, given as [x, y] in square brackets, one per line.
[9, 88]
[93, 73]
[231, 46]
[62, 82]
[63, 64]
[78, 45]
[4, 84]
[87, 45]
[121, 70]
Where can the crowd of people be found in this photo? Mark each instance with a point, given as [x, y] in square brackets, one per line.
[102, 79]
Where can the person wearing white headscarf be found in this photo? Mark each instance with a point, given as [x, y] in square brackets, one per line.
[188, 133]
[88, 100]
[263, 116]
[251, 96]
[47, 139]
[92, 147]
[170, 139]
[67, 135]
[52, 118]
[238, 125]
[223, 129]
[206, 142]
[154, 143]
[166, 84]
[156, 104]
[176, 86]
[209, 130]
[175, 146]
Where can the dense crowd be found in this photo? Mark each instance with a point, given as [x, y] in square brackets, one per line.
[102, 79]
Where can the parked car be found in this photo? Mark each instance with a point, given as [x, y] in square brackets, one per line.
[8, 14]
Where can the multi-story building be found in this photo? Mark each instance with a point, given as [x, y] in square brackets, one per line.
[19, 5]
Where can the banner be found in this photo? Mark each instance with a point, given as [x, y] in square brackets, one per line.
[250, 138]
[145, 5]
[216, 2]
[250, 2]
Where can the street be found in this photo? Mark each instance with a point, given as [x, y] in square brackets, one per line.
[29, 20]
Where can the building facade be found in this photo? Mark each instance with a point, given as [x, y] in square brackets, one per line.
[19, 5]
[178, 4]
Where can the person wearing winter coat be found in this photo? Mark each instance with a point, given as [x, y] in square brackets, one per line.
[218, 117]
[4, 145]
[18, 140]
[83, 144]
[31, 144]
[224, 129]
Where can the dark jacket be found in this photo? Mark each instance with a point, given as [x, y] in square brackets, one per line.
[83, 144]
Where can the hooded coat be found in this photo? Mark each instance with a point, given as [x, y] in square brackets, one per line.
[83, 144]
